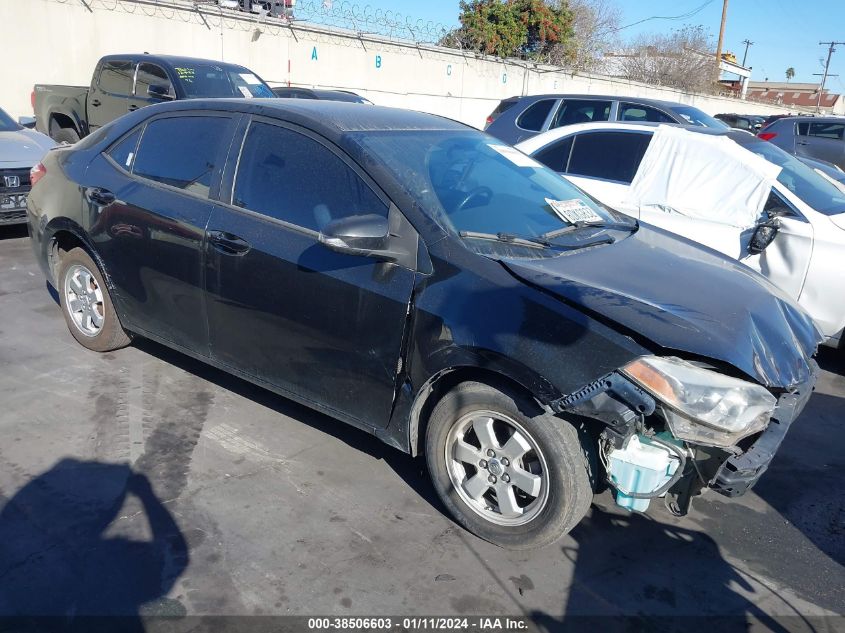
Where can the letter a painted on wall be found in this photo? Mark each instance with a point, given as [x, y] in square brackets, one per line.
[378, 61]
[314, 54]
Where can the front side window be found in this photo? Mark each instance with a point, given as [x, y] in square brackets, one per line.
[116, 78]
[152, 75]
[634, 112]
[581, 111]
[534, 117]
[182, 151]
[291, 177]
[608, 155]
[826, 130]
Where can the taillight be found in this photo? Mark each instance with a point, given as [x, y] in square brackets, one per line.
[32, 99]
[767, 136]
[37, 173]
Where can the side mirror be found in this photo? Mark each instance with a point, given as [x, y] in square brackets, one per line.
[365, 235]
[763, 235]
[158, 91]
[27, 121]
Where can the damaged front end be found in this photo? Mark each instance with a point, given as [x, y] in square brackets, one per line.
[672, 428]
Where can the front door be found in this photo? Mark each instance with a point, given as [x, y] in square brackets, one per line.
[150, 204]
[324, 327]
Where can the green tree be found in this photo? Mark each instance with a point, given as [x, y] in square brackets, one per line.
[512, 28]
[790, 73]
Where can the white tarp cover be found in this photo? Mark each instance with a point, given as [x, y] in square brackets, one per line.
[703, 176]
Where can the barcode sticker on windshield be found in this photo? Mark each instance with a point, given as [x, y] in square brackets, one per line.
[251, 79]
[245, 92]
[573, 211]
[515, 156]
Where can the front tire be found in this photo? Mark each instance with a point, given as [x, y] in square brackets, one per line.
[507, 471]
[65, 135]
[86, 304]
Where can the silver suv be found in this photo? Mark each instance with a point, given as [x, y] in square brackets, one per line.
[519, 118]
[815, 137]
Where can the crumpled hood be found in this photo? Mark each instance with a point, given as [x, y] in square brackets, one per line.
[684, 297]
[23, 148]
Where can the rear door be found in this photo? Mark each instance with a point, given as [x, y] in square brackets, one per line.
[604, 163]
[322, 326]
[150, 199]
[823, 140]
[109, 94]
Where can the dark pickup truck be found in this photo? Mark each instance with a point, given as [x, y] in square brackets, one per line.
[123, 83]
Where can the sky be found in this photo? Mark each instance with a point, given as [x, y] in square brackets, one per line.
[785, 32]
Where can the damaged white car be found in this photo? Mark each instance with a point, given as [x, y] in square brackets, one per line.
[725, 189]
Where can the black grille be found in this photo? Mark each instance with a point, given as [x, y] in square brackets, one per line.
[23, 176]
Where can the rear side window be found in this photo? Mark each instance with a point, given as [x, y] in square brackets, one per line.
[124, 151]
[581, 111]
[635, 112]
[291, 177]
[116, 78]
[556, 155]
[152, 75]
[826, 130]
[608, 155]
[534, 117]
[182, 151]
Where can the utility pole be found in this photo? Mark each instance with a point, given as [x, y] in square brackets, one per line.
[745, 55]
[721, 39]
[830, 52]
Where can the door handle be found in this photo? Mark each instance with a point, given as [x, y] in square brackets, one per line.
[227, 243]
[95, 103]
[802, 142]
[98, 196]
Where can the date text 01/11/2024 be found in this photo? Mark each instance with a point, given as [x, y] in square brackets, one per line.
[421, 623]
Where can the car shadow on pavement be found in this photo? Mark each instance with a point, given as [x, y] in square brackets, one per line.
[65, 559]
[411, 470]
[636, 573]
[832, 360]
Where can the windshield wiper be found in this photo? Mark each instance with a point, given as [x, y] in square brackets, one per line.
[622, 226]
[507, 238]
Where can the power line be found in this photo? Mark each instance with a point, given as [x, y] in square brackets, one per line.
[682, 16]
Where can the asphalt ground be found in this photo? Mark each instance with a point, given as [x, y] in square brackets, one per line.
[141, 482]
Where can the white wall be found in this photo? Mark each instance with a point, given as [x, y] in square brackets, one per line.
[60, 41]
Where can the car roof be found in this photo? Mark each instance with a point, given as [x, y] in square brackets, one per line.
[812, 117]
[541, 140]
[646, 101]
[332, 119]
[172, 60]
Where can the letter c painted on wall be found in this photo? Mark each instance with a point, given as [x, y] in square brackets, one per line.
[449, 70]
[504, 78]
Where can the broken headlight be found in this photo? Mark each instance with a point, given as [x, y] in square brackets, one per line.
[701, 405]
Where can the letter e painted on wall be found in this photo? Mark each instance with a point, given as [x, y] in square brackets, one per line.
[314, 54]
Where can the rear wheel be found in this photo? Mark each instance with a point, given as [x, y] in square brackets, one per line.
[64, 135]
[86, 304]
[507, 471]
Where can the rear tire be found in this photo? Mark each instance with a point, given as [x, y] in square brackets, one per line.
[86, 304]
[65, 135]
[521, 480]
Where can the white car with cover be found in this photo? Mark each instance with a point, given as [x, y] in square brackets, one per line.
[725, 189]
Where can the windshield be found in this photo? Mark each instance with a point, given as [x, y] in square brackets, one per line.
[211, 80]
[694, 116]
[7, 123]
[820, 194]
[470, 182]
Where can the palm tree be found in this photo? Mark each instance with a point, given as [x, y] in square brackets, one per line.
[790, 73]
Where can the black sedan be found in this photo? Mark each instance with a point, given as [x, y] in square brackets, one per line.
[425, 282]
